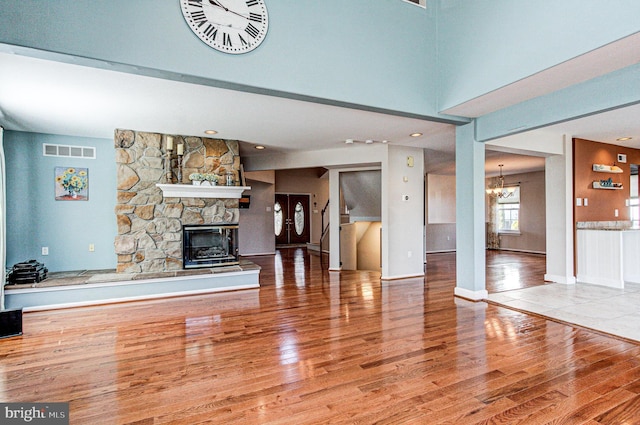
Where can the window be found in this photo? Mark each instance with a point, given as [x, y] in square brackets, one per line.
[422, 3]
[508, 214]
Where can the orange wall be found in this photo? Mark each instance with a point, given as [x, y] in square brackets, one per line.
[602, 202]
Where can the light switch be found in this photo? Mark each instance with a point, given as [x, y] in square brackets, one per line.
[578, 202]
[615, 212]
[586, 202]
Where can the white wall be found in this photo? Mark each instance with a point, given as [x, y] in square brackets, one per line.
[256, 230]
[402, 221]
[440, 207]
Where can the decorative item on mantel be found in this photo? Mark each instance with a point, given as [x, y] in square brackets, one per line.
[203, 179]
[167, 160]
[180, 153]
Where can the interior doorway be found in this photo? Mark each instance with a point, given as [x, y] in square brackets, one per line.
[291, 219]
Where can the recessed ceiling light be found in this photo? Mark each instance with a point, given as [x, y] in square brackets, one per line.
[385, 141]
[368, 141]
[348, 141]
[622, 139]
[210, 132]
[259, 147]
[415, 134]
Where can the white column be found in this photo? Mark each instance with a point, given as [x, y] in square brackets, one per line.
[334, 220]
[559, 212]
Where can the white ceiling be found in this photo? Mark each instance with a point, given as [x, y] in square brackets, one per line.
[60, 98]
[38, 95]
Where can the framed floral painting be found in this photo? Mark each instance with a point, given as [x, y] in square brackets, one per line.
[71, 184]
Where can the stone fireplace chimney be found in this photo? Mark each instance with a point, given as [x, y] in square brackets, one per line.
[149, 236]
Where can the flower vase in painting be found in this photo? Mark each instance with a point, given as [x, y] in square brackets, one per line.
[71, 184]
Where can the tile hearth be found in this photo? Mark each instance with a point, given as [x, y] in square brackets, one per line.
[82, 277]
[90, 287]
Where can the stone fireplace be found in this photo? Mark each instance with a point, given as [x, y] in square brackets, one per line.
[149, 224]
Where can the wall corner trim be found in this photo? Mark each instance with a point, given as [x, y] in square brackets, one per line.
[567, 280]
[470, 295]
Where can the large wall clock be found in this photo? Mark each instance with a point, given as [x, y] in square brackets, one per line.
[230, 26]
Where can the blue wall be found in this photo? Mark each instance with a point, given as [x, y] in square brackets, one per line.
[380, 53]
[486, 44]
[35, 219]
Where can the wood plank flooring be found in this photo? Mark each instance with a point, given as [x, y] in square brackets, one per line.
[312, 347]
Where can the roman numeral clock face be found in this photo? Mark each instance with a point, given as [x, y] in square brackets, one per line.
[231, 26]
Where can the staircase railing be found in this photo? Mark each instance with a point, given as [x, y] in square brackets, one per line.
[325, 228]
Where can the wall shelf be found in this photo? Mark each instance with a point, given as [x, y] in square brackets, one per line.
[191, 191]
[601, 168]
[598, 185]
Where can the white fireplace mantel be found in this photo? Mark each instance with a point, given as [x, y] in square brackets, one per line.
[191, 191]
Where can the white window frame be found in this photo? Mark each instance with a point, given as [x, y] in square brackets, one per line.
[421, 3]
[509, 204]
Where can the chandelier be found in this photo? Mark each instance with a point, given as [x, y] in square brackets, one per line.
[498, 189]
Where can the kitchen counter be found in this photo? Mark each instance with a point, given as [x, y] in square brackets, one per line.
[608, 256]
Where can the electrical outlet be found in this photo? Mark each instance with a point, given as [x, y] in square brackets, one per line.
[45, 250]
[405, 198]
[92, 247]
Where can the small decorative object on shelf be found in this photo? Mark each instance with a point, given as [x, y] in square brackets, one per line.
[601, 168]
[229, 177]
[606, 184]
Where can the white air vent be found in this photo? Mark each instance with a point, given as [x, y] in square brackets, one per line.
[69, 151]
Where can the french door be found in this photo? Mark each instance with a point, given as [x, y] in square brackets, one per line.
[291, 219]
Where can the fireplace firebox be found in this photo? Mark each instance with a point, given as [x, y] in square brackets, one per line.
[208, 245]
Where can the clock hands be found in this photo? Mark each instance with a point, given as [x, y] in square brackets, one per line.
[220, 5]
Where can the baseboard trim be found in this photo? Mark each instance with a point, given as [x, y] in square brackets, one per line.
[470, 295]
[403, 276]
[526, 251]
[556, 278]
[258, 254]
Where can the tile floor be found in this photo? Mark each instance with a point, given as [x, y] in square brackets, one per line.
[610, 310]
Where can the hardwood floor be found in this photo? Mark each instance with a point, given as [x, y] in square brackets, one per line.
[312, 347]
[514, 270]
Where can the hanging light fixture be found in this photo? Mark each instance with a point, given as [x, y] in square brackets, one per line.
[498, 189]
